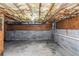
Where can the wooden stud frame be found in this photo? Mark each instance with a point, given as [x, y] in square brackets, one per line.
[2, 35]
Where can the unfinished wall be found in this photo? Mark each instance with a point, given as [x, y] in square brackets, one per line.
[1, 42]
[28, 32]
[35, 27]
[28, 35]
[68, 36]
[71, 23]
[34, 33]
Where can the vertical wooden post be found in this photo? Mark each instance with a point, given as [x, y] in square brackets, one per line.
[1, 34]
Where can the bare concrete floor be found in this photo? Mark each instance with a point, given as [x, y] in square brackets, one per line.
[31, 48]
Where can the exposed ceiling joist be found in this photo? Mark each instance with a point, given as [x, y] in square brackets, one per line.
[5, 6]
[68, 12]
[29, 8]
[62, 7]
[51, 7]
[39, 10]
[21, 12]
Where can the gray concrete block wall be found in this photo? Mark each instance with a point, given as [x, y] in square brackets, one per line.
[28, 35]
[71, 33]
[68, 40]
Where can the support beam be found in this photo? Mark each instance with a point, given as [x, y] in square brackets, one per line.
[9, 9]
[63, 6]
[51, 7]
[21, 12]
[1, 33]
[29, 8]
[61, 9]
[18, 8]
[6, 14]
[68, 12]
[40, 9]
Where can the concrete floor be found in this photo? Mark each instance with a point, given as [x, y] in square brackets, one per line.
[31, 48]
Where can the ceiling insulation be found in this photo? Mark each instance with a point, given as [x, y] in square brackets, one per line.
[40, 12]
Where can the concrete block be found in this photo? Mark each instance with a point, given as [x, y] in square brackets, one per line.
[28, 35]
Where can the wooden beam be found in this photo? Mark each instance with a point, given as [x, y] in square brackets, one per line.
[6, 14]
[63, 6]
[7, 7]
[1, 42]
[66, 12]
[10, 16]
[29, 8]
[51, 7]
[29, 27]
[1, 33]
[19, 9]
[39, 10]
[73, 9]
[10, 9]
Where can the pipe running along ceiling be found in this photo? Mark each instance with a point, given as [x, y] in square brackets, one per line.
[39, 12]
